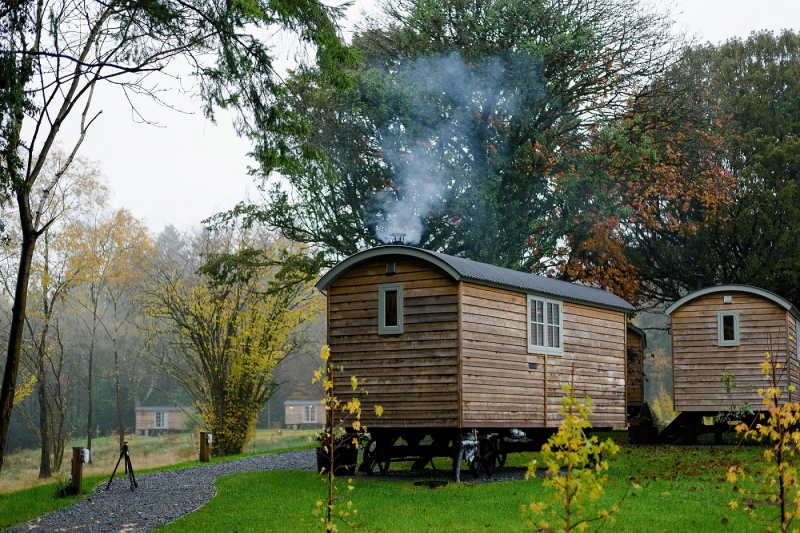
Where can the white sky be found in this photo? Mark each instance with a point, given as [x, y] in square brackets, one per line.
[188, 169]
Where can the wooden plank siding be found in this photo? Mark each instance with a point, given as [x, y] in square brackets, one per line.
[699, 362]
[462, 359]
[634, 385]
[498, 388]
[414, 375]
[594, 342]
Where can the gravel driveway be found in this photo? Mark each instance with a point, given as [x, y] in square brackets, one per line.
[161, 497]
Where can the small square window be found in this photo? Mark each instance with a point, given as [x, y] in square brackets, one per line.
[390, 309]
[728, 328]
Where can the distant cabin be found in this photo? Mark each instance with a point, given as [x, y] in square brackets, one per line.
[728, 328]
[446, 342]
[637, 343]
[304, 413]
[160, 419]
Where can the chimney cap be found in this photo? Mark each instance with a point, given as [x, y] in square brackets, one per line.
[397, 238]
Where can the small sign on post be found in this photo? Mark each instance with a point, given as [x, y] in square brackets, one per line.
[205, 446]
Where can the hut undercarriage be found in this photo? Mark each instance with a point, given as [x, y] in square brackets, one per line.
[483, 449]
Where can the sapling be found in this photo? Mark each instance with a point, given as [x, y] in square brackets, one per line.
[574, 478]
[777, 427]
[334, 437]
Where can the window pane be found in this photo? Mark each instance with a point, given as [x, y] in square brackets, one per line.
[537, 323]
[553, 325]
[390, 307]
[537, 335]
[554, 314]
[728, 328]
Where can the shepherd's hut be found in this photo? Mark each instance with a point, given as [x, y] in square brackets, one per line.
[726, 331]
[445, 344]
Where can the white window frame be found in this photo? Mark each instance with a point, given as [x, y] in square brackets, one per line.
[309, 414]
[383, 329]
[547, 305]
[164, 420]
[721, 341]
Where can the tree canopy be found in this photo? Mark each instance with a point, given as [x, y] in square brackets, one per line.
[753, 85]
[229, 333]
[457, 121]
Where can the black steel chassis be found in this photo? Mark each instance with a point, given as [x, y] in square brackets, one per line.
[482, 448]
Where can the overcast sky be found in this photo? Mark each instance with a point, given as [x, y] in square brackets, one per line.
[187, 169]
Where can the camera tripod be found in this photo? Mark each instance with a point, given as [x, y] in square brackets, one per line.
[128, 467]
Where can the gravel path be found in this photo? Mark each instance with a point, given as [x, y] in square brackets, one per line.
[166, 496]
[160, 498]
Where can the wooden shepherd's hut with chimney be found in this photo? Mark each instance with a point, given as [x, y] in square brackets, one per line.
[727, 329]
[447, 345]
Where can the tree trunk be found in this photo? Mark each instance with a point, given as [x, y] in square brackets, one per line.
[91, 366]
[29, 237]
[44, 420]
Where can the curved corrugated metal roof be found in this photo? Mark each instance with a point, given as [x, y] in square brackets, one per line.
[482, 273]
[781, 302]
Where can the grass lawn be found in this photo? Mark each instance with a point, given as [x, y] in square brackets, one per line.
[684, 490]
[23, 496]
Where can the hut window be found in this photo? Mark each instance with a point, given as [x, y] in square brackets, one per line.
[309, 414]
[390, 309]
[728, 328]
[161, 420]
[545, 331]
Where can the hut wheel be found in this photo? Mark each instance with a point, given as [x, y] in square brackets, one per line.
[371, 459]
[498, 446]
[485, 458]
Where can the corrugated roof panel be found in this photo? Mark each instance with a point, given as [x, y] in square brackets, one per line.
[483, 273]
[531, 282]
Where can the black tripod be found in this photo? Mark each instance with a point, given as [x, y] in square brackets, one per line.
[128, 467]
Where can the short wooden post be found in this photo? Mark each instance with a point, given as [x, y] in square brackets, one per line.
[205, 446]
[76, 486]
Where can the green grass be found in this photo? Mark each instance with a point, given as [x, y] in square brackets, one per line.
[684, 490]
[19, 506]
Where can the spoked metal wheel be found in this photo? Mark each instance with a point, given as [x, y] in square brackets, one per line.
[501, 455]
[485, 459]
[371, 459]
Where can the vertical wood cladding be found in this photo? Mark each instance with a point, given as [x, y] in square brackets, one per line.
[699, 363]
[414, 375]
[635, 372]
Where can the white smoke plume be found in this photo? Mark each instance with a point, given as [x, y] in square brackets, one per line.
[419, 185]
[420, 191]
